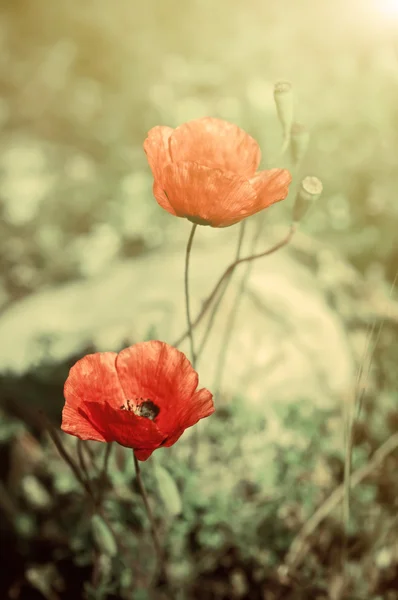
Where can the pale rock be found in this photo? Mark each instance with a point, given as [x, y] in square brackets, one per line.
[287, 346]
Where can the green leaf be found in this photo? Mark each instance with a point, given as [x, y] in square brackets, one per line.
[168, 491]
[103, 536]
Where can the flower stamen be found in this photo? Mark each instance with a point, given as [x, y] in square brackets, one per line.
[142, 408]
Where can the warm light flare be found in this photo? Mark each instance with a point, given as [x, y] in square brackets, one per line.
[387, 7]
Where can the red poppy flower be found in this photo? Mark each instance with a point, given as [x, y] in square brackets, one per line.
[143, 398]
[206, 171]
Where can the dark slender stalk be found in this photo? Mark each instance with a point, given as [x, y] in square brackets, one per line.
[85, 484]
[224, 278]
[102, 477]
[107, 456]
[234, 311]
[217, 304]
[155, 536]
[90, 453]
[187, 302]
[212, 317]
[296, 552]
[105, 465]
[227, 273]
[82, 461]
[66, 456]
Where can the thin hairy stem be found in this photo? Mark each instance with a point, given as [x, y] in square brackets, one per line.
[223, 291]
[66, 457]
[227, 274]
[360, 387]
[54, 434]
[154, 532]
[234, 311]
[187, 302]
[213, 314]
[102, 479]
[107, 456]
[82, 461]
[298, 547]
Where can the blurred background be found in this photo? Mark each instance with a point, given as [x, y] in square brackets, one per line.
[90, 261]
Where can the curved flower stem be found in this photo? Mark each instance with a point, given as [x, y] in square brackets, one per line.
[195, 435]
[107, 456]
[227, 274]
[82, 461]
[234, 311]
[222, 293]
[53, 432]
[102, 479]
[155, 536]
[187, 304]
[297, 550]
[212, 317]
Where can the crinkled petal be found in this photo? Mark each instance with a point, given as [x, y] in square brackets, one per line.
[156, 147]
[161, 198]
[123, 426]
[173, 438]
[208, 196]
[76, 422]
[216, 144]
[158, 372]
[271, 186]
[200, 406]
[92, 379]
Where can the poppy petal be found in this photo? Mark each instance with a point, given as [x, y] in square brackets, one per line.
[200, 406]
[271, 186]
[76, 422]
[143, 398]
[172, 439]
[123, 426]
[216, 144]
[208, 196]
[143, 453]
[158, 372]
[156, 147]
[91, 379]
[161, 198]
[186, 414]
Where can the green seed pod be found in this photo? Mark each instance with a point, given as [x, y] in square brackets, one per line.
[283, 96]
[299, 139]
[308, 193]
[103, 537]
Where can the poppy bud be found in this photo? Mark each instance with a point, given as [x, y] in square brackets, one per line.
[309, 191]
[103, 537]
[283, 97]
[299, 138]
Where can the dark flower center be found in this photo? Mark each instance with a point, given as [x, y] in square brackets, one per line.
[147, 409]
[142, 408]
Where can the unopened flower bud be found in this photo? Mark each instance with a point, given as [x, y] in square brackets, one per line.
[283, 97]
[308, 193]
[299, 139]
